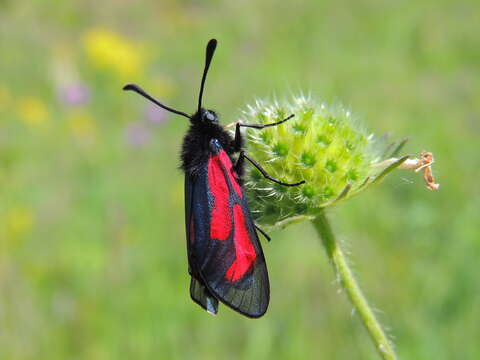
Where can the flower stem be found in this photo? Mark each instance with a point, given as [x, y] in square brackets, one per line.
[360, 304]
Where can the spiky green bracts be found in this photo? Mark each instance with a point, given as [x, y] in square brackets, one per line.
[325, 146]
[337, 158]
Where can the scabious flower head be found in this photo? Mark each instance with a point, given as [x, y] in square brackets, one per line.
[323, 145]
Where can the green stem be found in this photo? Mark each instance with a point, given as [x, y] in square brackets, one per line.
[360, 304]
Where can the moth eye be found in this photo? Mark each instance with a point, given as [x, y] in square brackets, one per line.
[209, 116]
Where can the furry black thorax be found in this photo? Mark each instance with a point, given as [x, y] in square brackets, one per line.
[195, 147]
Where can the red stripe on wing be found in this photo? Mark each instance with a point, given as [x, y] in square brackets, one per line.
[220, 166]
[221, 222]
[227, 164]
[245, 254]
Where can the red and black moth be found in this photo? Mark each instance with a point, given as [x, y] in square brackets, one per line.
[225, 258]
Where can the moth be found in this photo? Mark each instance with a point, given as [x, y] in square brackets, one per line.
[225, 259]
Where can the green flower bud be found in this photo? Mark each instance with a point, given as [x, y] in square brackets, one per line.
[325, 146]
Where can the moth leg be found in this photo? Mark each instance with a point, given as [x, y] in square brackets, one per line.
[262, 232]
[239, 165]
[261, 126]
[238, 140]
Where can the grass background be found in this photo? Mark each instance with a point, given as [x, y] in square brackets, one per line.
[92, 247]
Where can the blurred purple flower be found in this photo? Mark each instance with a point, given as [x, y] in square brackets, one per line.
[74, 94]
[137, 135]
[156, 115]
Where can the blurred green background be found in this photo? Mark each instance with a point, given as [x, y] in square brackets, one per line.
[92, 245]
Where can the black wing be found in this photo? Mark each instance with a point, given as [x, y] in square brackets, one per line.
[198, 291]
[225, 256]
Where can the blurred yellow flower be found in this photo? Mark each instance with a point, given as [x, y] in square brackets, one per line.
[32, 111]
[19, 222]
[82, 126]
[108, 50]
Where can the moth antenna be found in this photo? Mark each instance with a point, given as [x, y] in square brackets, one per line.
[142, 92]
[211, 46]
